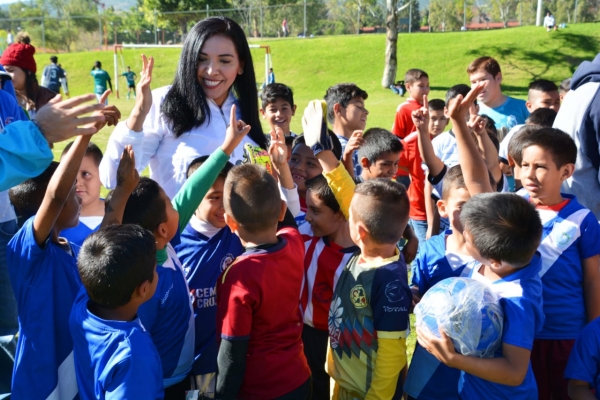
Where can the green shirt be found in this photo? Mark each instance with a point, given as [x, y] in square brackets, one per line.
[130, 76]
[101, 78]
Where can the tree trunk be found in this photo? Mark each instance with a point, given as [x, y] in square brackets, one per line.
[391, 42]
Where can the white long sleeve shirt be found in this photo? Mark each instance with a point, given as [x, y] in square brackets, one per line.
[168, 156]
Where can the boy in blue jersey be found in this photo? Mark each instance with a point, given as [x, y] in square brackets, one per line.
[45, 281]
[570, 251]
[583, 368]
[501, 232]
[88, 188]
[278, 107]
[114, 355]
[368, 322]
[444, 255]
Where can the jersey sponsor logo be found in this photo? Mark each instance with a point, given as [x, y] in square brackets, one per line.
[322, 292]
[394, 309]
[166, 296]
[205, 297]
[394, 292]
[227, 261]
[335, 321]
[357, 297]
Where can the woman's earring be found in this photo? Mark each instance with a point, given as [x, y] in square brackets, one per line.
[241, 71]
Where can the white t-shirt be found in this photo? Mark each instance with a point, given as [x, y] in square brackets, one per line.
[503, 151]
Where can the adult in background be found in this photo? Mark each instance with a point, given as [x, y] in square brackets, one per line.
[18, 61]
[579, 116]
[9, 38]
[101, 80]
[52, 75]
[189, 118]
[549, 22]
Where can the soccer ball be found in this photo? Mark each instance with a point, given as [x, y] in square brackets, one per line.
[467, 311]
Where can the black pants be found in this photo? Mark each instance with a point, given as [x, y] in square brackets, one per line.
[315, 350]
[302, 392]
[177, 391]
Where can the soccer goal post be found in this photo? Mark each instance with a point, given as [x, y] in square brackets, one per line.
[118, 54]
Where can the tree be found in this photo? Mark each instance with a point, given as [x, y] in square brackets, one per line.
[504, 10]
[445, 15]
[391, 43]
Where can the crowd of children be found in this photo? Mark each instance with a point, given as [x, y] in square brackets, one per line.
[256, 283]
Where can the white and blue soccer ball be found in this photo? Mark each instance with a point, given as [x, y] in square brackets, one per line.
[467, 311]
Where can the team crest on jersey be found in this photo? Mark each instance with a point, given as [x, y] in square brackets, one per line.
[357, 297]
[227, 261]
[394, 292]
[564, 234]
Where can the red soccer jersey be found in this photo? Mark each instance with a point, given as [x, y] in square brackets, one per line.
[403, 124]
[257, 300]
[411, 158]
[323, 264]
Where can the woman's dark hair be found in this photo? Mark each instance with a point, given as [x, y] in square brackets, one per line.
[31, 85]
[186, 106]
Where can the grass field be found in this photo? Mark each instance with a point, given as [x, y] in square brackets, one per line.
[310, 66]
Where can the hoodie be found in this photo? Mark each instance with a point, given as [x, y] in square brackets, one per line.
[579, 116]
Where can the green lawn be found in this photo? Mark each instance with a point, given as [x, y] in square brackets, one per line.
[310, 66]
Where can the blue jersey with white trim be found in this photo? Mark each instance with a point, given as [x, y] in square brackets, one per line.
[45, 282]
[584, 361]
[203, 260]
[571, 235]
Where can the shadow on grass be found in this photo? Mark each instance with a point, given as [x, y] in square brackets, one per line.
[560, 56]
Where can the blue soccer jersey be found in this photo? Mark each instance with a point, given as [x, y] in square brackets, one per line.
[507, 115]
[521, 300]
[584, 361]
[169, 319]
[86, 226]
[427, 377]
[113, 359]
[203, 260]
[45, 282]
[571, 234]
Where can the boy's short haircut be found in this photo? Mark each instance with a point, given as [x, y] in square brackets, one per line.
[319, 186]
[565, 86]
[454, 91]
[543, 85]
[342, 94]
[515, 145]
[274, 91]
[114, 261]
[543, 117]
[414, 75]
[504, 227]
[487, 63]
[337, 145]
[91, 151]
[251, 197]
[559, 144]
[198, 161]
[377, 143]
[27, 196]
[454, 179]
[490, 128]
[145, 207]
[289, 140]
[384, 200]
[437, 105]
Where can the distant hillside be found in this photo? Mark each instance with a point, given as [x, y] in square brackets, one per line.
[119, 5]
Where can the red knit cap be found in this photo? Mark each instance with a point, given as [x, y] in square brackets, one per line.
[19, 55]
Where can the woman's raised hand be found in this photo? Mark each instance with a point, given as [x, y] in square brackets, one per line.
[143, 101]
[236, 131]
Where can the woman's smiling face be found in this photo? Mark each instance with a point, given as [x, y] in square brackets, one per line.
[218, 66]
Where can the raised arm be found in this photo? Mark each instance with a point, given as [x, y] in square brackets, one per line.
[420, 118]
[279, 154]
[490, 154]
[127, 180]
[474, 170]
[354, 143]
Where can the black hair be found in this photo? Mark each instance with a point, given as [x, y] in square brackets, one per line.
[145, 207]
[454, 179]
[27, 196]
[490, 128]
[91, 150]
[114, 261]
[504, 227]
[515, 145]
[251, 197]
[456, 90]
[342, 94]
[31, 85]
[377, 143]
[185, 106]
[543, 85]
[559, 144]
[54, 59]
[437, 105]
[274, 91]
[319, 186]
[97, 64]
[384, 200]
[413, 75]
[198, 161]
[543, 117]
[335, 141]
[565, 85]
[289, 141]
